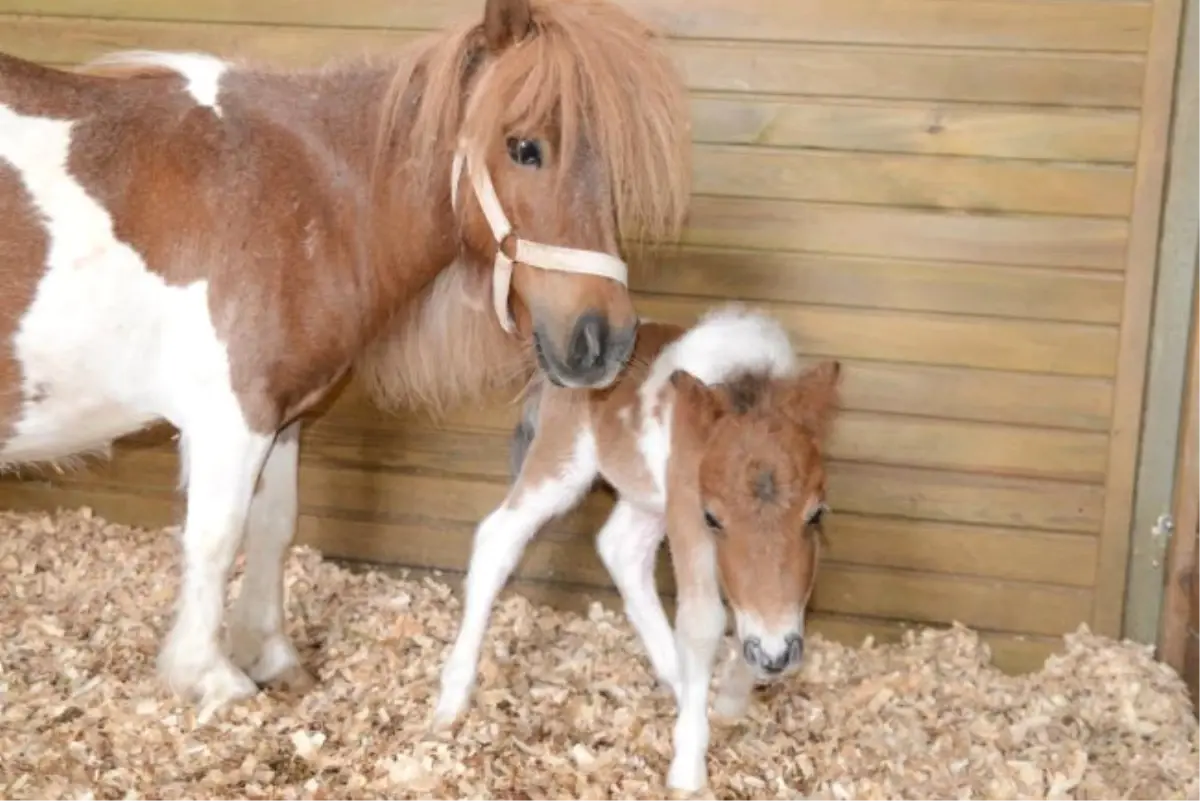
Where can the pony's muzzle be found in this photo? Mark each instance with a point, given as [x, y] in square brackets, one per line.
[773, 662]
[594, 354]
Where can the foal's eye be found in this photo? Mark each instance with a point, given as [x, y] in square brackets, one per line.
[815, 518]
[711, 521]
[526, 152]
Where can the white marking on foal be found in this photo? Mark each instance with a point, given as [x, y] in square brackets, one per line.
[202, 71]
[107, 347]
[499, 541]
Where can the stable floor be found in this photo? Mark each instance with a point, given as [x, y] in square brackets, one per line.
[566, 706]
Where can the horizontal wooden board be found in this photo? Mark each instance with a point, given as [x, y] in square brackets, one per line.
[907, 234]
[993, 396]
[935, 129]
[993, 343]
[1091, 25]
[1090, 296]
[1087, 80]
[935, 182]
[858, 437]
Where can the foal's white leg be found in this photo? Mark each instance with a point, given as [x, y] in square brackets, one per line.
[699, 624]
[628, 544]
[499, 542]
[733, 689]
[257, 641]
[224, 458]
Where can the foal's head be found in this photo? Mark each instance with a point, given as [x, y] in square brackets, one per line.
[762, 498]
[580, 122]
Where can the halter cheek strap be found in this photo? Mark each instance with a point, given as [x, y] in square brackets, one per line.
[534, 254]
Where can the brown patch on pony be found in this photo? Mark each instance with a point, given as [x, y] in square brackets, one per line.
[25, 245]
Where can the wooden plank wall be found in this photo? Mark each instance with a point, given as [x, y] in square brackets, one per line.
[958, 198]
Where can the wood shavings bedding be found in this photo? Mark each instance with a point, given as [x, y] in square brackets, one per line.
[566, 706]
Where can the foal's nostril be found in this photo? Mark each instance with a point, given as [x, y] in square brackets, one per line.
[588, 343]
[752, 651]
[795, 651]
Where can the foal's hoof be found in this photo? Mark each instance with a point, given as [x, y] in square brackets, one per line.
[294, 680]
[449, 706]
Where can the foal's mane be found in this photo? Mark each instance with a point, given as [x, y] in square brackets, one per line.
[586, 67]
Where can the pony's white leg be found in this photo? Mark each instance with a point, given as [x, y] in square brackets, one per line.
[628, 544]
[224, 459]
[699, 624]
[257, 641]
[733, 688]
[538, 495]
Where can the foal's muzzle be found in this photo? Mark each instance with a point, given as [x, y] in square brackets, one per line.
[773, 663]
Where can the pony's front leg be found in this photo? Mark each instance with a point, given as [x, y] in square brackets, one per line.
[628, 545]
[258, 642]
[551, 482]
[699, 624]
[223, 460]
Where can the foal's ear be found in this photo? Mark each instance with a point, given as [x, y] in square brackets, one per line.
[815, 399]
[696, 396]
[505, 22]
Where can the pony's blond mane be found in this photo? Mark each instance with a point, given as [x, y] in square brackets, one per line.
[587, 67]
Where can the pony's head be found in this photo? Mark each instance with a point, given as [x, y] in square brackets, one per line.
[571, 143]
[762, 498]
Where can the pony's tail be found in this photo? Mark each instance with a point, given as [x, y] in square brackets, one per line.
[525, 431]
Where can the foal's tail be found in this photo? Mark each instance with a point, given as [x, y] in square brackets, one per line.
[525, 429]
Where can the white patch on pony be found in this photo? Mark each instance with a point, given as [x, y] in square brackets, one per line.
[202, 71]
[772, 638]
[106, 347]
[726, 341]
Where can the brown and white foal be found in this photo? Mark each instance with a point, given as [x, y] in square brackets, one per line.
[718, 445]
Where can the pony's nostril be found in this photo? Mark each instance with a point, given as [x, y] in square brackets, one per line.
[795, 651]
[588, 343]
[752, 651]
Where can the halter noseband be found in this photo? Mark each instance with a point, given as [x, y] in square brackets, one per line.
[534, 254]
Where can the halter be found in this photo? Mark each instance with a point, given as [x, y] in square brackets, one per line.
[534, 254]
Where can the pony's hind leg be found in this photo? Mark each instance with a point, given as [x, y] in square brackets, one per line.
[224, 459]
[258, 642]
[555, 474]
[628, 545]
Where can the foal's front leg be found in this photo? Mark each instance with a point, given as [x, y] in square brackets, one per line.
[699, 624]
[257, 640]
[552, 480]
[224, 457]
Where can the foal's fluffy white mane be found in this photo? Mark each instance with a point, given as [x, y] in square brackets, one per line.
[727, 340]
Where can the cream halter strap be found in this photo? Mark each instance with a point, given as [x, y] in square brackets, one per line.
[534, 254]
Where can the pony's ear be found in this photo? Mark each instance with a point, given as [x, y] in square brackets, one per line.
[814, 399]
[505, 22]
[696, 397]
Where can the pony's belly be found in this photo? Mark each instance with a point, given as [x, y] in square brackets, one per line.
[58, 426]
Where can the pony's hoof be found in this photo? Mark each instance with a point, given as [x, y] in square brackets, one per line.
[729, 709]
[270, 660]
[204, 674]
[686, 777]
[449, 707]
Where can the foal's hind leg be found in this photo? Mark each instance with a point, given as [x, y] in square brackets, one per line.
[552, 480]
[628, 544]
[257, 641]
[223, 461]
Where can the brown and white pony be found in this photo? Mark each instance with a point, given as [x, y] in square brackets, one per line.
[187, 239]
[717, 444]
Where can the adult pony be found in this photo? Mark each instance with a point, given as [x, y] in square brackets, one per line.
[216, 245]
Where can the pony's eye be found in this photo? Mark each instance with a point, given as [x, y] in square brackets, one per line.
[526, 152]
[711, 521]
[816, 517]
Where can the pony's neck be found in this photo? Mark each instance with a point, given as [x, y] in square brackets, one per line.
[404, 237]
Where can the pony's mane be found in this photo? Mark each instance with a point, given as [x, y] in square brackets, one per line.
[586, 67]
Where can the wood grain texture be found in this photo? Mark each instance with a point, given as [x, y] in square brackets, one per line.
[1103, 81]
[1140, 270]
[1108, 25]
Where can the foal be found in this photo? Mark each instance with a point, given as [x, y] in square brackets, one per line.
[718, 446]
